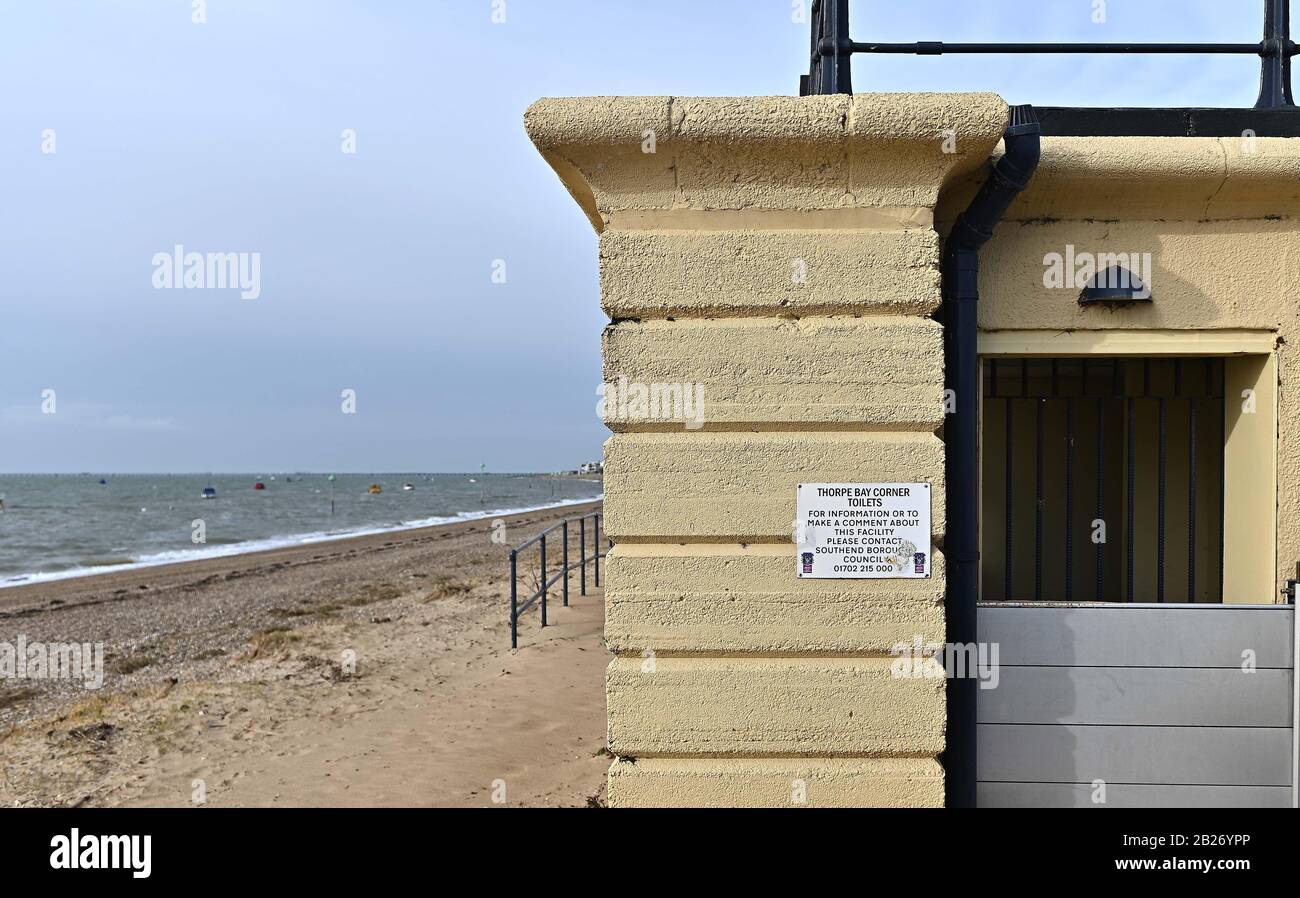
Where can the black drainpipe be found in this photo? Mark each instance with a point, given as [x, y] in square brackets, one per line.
[972, 230]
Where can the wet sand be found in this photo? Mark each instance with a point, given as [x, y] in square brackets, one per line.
[374, 670]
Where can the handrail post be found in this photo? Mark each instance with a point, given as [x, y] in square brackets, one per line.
[582, 555]
[514, 600]
[1275, 58]
[595, 540]
[565, 531]
[543, 579]
[832, 50]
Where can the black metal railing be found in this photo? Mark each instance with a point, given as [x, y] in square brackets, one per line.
[544, 580]
[830, 70]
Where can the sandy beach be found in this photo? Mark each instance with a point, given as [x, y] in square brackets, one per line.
[368, 671]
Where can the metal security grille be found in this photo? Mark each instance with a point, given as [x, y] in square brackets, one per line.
[1103, 480]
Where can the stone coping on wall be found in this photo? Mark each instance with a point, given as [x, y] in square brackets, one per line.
[869, 160]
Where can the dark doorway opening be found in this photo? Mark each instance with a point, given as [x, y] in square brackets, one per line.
[1102, 479]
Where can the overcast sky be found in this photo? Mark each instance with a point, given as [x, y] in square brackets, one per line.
[375, 267]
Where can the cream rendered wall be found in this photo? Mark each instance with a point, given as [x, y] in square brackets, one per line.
[1219, 216]
[734, 682]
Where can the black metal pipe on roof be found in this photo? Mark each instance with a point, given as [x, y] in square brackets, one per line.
[973, 228]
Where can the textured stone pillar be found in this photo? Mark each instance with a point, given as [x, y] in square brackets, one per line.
[781, 253]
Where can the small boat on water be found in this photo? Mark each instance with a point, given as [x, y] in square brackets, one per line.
[259, 485]
[407, 487]
[208, 493]
[103, 482]
[375, 489]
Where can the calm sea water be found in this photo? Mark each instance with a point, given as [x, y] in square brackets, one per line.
[55, 526]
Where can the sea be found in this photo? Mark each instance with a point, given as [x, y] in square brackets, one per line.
[54, 526]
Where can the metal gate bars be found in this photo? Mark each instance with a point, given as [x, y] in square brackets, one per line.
[1077, 451]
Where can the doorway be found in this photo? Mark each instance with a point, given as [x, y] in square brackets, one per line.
[1128, 560]
[1103, 479]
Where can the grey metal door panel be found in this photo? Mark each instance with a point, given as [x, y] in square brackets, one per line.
[1070, 753]
[1081, 795]
[1150, 699]
[1154, 696]
[1121, 635]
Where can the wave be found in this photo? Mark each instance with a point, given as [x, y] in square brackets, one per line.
[177, 556]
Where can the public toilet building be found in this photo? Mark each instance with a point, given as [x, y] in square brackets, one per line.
[1004, 389]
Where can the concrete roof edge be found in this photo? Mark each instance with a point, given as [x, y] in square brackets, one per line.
[1197, 178]
[613, 121]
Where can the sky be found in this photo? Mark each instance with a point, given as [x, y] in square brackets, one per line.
[376, 266]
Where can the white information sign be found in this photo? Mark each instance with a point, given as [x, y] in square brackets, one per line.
[863, 530]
